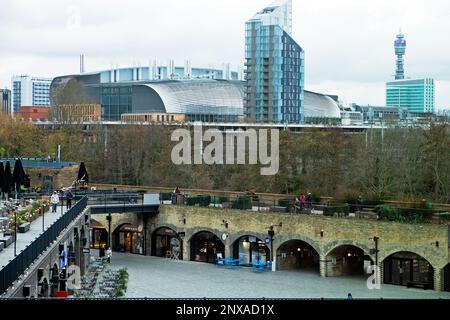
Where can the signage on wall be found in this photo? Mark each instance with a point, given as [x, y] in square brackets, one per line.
[86, 250]
[267, 240]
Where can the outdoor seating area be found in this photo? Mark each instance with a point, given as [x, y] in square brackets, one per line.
[228, 262]
[99, 282]
[231, 263]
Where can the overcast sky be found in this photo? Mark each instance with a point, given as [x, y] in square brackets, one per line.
[348, 43]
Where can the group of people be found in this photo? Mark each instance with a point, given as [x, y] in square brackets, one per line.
[303, 201]
[55, 198]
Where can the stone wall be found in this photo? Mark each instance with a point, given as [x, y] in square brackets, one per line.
[61, 177]
[336, 232]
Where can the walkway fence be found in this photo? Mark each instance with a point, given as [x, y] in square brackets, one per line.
[25, 258]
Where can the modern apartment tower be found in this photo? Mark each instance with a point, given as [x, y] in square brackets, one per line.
[400, 50]
[30, 91]
[275, 67]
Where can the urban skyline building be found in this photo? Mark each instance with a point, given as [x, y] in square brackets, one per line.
[30, 91]
[5, 101]
[416, 95]
[400, 50]
[275, 67]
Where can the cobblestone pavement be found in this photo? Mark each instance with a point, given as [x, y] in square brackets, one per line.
[24, 239]
[153, 277]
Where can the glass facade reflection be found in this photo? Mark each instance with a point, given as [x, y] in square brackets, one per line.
[275, 71]
[415, 95]
[115, 102]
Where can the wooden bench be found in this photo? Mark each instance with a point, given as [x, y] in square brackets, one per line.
[420, 285]
[24, 227]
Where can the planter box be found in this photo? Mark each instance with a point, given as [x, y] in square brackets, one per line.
[24, 227]
[6, 240]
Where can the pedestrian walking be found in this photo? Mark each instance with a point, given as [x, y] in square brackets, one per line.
[108, 255]
[54, 199]
[69, 197]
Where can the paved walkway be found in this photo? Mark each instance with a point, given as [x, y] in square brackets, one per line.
[24, 239]
[153, 277]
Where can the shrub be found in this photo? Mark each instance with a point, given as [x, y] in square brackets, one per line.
[123, 279]
[199, 200]
[287, 203]
[243, 203]
[166, 196]
[336, 208]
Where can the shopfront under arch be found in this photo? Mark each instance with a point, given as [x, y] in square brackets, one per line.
[205, 247]
[128, 238]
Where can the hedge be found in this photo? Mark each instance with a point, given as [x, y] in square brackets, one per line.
[243, 203]
[166, 196]
[219, 199]
[336, 208]
[199, 200]
[287, 203]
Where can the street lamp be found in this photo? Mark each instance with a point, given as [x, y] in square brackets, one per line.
[15, 232]
[271, 234]
[375, 251]
[109, 218]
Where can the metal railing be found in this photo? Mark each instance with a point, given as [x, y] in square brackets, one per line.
[12, 271]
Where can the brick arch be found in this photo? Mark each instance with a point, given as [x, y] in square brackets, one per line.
[120, 222]
[237, 235]
[167, 226]
[387, 253]
[192, 232]
[280, 240]
[99, 223]
[329, 247]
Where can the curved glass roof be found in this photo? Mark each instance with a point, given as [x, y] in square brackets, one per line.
[320, 106]
[201, 96]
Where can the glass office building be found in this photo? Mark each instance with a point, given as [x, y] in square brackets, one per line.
[274, 90]
[416, 95]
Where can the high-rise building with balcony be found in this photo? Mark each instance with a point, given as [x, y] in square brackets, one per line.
[275, 67]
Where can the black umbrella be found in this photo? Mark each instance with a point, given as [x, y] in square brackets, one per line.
[18, 175]
[8, 178]
[82, 173]
[2, 178]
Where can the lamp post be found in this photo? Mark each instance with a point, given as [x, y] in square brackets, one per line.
[109, 218]
[43, 221]
[375, 251]
[15, 232]
[271, 234]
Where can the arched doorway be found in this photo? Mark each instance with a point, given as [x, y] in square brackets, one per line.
[128, 238]
[404, 267]
[296, 255]
[347, 260]
[54, 280]
[205, 246]
[250, 249]
[447, 278]
[167, 243]
[99, 235]
[43, 288]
